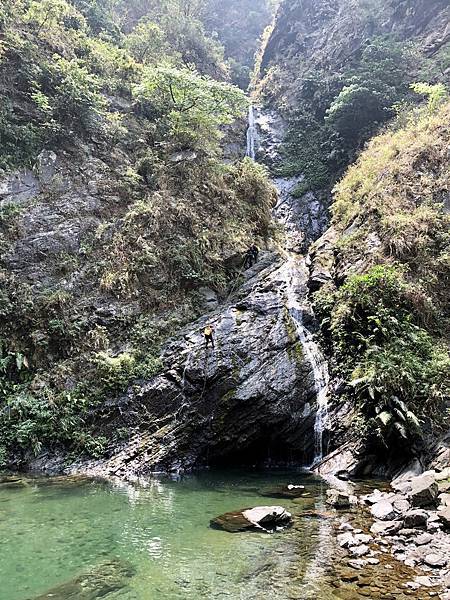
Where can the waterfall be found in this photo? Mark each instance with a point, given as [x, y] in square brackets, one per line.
[251, 133]
[312, 353]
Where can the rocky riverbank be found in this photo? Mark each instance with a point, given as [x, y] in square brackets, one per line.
[411, 523]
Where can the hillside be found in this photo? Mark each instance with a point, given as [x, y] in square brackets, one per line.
[119, 218]
[381, 279]
[335, 71]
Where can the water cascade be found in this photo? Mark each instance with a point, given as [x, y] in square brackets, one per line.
[312, 352]
[251, 133]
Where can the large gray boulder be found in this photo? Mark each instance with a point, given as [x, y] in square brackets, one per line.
[424, 491]
[415, 518]
[383, 510]
[264, 518]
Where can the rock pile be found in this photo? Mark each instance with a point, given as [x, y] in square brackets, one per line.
[413, 524]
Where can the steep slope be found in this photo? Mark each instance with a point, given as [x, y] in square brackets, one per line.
[336, 71]
[382, 275]
[119, 219]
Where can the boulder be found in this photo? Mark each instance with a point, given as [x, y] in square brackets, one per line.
[386, 527]
[383, 510]
[424, 490]
[284, 491]
[444, 517]
[435, 560]
[444, 500]
[415, 518]
[338, 499]
[264, 518]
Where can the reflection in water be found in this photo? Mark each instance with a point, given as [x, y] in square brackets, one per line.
[50, 534]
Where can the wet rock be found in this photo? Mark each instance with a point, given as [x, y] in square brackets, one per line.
[444, 517]
[415, 519]
[424, 491]
[435, 560]
[359, 551]
[98, 582]
[284, 491]
[265, 518]
[338, 499]
[386, 527]
[383, 510]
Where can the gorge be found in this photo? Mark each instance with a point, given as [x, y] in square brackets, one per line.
[136, 171]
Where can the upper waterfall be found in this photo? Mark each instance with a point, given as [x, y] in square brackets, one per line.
[251, 133]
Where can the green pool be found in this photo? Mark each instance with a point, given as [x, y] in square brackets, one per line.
[151, 540]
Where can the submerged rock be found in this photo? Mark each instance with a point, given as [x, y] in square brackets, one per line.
[102, 579]
[263, 518]
[284, 491]
[340, 499]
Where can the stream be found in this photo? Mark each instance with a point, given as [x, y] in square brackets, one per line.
[54, 529]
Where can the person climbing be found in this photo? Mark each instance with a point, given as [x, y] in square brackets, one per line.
[251, 256]
[255, 253]
[209, 335]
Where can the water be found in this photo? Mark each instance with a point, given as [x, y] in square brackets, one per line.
[292, 277]
[53, 530]
[251, 133]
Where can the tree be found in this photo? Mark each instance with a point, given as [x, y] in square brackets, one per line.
[147, 42]
[47, 14]
[193, 106]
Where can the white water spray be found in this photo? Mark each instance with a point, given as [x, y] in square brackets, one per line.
[312, 353]
[251, 133]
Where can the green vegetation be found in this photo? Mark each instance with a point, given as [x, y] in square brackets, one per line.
[134, 98]
[386, 327]
[335, 95]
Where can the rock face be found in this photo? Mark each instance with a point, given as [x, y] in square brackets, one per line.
[250, 399]
[319, 32]
[263, 518]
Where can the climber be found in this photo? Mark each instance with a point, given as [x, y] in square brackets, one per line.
[255, 253]
[208, 333]
[251, 256]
